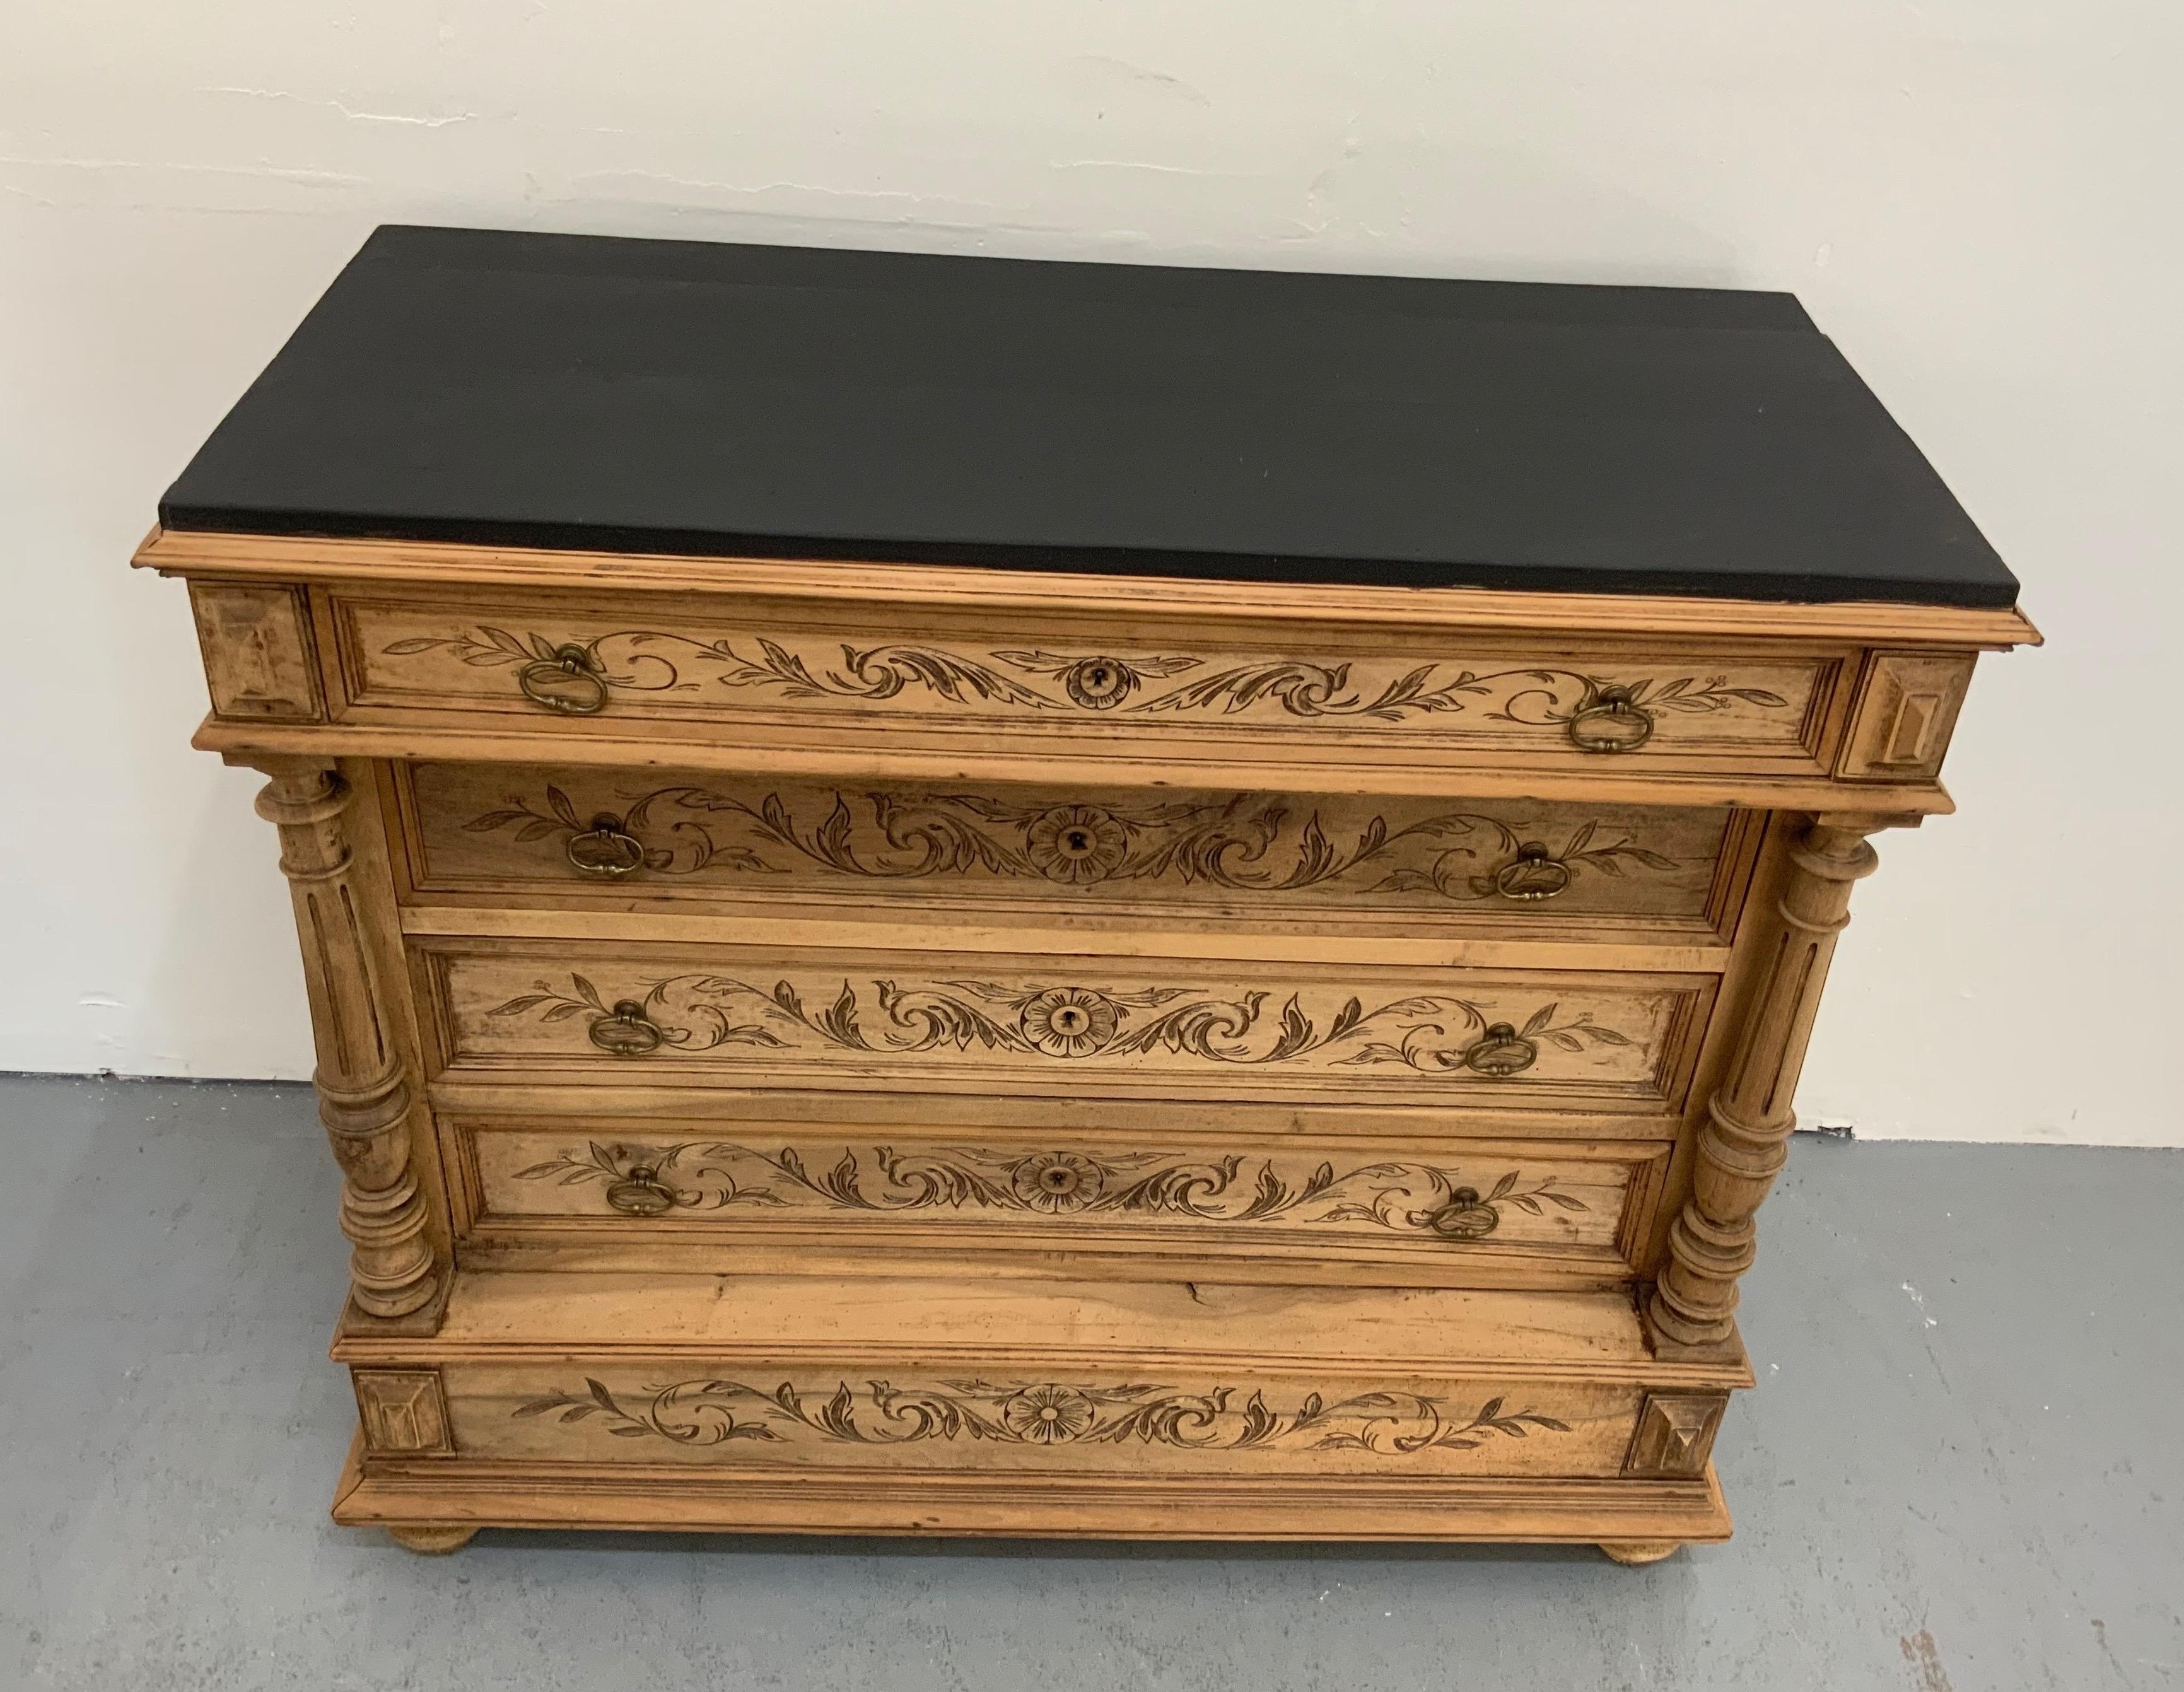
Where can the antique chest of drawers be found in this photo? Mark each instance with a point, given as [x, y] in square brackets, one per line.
[966, 896]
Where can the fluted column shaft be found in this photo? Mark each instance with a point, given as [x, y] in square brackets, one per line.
[1744, 1141]
[363, 1090]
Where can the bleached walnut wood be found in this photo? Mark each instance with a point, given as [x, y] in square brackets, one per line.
[364, 1096]
[1744, 1139]
[1276, 1093]
[1284, 1048]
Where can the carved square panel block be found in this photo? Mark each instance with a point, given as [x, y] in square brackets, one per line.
[259, 661]
[1675, 1435]
[1905, 711]
[401, 1410]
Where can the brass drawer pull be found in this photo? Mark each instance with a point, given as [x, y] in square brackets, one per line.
[1464, 1216]
[1501, 1050]
[607, 850]
[626, 1031]
[1613, 722]
[569, 682]
[1533, 874]
[641, 1192]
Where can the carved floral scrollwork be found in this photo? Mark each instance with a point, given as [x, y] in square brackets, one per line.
[1245, 843]
[716, 1412]
[1404, 1196]
[1433, 1033]
[638, 661]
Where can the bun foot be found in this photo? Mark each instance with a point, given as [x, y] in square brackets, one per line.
[1633, 1552]
[433, 1542]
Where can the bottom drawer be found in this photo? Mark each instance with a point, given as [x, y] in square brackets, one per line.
[1289, 1411]
[598, 1192]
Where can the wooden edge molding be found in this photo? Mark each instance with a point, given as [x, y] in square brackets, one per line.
[1726, 1369]
[436, 1510]
[309, 558]
[704, 747]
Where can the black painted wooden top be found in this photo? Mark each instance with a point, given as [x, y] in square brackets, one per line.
[580, 392]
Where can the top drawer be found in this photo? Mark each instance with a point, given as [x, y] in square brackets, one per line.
[1249, 693]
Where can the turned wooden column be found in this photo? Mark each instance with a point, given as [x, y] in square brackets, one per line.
[364, 1091]
[1745, 1140]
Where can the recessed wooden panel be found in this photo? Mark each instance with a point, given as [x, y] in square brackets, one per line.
[569, 836]
[973, 1022]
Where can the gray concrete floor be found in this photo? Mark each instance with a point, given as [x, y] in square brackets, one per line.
[1964, 1468]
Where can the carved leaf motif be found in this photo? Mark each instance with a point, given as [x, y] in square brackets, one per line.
[1303, 690]
[1049, 1413]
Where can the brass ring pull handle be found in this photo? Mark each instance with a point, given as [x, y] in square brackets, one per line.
[1613, 722]
[626, 1031]
[607, 850]
[641, 1192]
[1533, 874]
[1463, 1218]
[569, 682]
[1501, 1050]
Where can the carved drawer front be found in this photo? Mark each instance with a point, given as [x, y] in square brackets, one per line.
[596, 1193]
[571, 835]
[1036, 1420]
[930, 1022]
[1113, 691]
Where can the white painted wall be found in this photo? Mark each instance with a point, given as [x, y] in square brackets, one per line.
[1976, 197]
